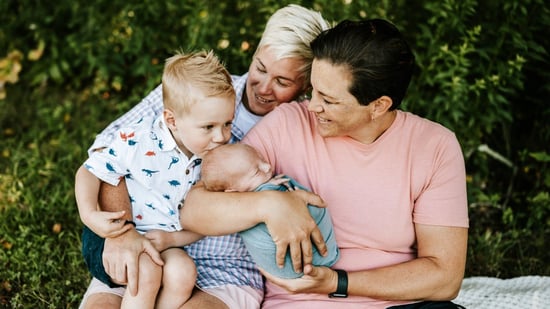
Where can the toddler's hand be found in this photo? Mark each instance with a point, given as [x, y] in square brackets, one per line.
[107, 224]
[161, 240]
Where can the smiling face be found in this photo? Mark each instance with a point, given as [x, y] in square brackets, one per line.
[338, 111]
[272, 82]
[205, 126]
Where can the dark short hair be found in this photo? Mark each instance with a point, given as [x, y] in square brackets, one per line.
[378, 57]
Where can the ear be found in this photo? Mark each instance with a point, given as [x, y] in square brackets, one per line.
[169, 119]
[382, 105]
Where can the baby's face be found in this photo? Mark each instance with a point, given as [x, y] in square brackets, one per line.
[253, 171]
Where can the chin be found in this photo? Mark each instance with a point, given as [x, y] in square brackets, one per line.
[324, 133]
[261, 110]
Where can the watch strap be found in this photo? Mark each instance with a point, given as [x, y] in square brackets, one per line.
[342, 287]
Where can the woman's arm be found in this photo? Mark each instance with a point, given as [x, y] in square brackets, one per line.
[285, 214]
[436, 274]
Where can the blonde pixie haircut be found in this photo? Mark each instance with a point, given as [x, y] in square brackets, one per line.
[190, 77]
[288, 33]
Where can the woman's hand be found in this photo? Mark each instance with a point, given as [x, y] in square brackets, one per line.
[319, 280]
[291, 226]
[121, 257]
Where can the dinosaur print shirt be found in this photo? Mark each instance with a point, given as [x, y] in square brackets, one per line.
[158, 174]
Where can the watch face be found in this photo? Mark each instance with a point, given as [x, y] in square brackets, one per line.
[337, 295]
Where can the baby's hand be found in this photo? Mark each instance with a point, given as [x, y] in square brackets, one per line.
[282, 180]
[107, 224]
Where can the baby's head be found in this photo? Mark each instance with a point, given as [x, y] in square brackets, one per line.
[234, 167]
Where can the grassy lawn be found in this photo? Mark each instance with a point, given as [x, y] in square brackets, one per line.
[43, 143]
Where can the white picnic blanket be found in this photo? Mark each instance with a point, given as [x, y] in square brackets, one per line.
[528, 292]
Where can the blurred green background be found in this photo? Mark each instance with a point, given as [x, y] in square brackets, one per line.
[67, 69]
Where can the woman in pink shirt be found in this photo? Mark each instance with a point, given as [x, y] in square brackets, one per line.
[394, 183]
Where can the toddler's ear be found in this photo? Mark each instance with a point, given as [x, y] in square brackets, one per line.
[169, 119]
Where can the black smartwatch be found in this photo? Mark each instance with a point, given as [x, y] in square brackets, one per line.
[342, 288]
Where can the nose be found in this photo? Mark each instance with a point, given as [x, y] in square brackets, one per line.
[221, 135]
[264, 86]
[314, 104]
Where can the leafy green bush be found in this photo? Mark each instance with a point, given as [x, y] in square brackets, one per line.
[68, 69]
[480, 72]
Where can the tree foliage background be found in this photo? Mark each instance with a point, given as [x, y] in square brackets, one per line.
[67, 69]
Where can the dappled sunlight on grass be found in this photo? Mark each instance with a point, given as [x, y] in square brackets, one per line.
[10, 191]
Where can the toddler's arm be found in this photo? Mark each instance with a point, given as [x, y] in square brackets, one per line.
[105, 224]
[163, 240]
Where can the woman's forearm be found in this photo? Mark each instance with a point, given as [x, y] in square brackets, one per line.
[437, 273]
[285, 214]
[115, 198]
[221, 213]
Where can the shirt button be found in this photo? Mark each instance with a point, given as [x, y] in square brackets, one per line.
[187, 172]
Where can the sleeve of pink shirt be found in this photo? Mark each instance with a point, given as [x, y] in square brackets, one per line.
[444, 199]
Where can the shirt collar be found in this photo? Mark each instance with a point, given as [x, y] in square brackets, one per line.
[163, 136]
[166, 141]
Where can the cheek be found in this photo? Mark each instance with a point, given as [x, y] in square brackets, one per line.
[227, 133]
[285, 95]
[254, 77]
[191, 137]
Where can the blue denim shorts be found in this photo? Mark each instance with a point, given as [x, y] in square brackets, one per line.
[92, 251]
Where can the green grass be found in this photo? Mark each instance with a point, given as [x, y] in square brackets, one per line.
[43, 142]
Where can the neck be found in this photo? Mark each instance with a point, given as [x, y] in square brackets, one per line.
[244, 99]
[378, 126]
[245, 103]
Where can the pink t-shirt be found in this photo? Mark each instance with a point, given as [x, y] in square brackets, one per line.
[413, 173]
